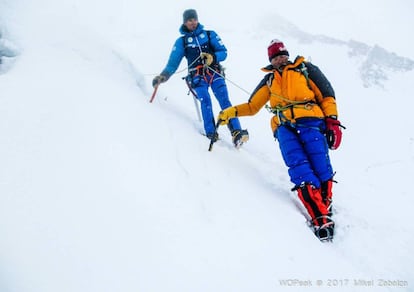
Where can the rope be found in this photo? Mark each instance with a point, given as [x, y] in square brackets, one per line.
[176, 72]
[188, 68]
[289, 101]
[225, 78]
[282, 119]
[278, 109]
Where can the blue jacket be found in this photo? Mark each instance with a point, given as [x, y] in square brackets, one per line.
[190, 45]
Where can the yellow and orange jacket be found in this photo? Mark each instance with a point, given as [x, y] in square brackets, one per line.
[300, 91]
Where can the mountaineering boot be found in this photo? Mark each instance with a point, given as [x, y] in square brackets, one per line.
[213, 136]
[322, 224]
[326, 192]
[239, 137]
[326, 231]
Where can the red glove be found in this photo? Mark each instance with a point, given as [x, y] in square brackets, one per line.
[333, 132]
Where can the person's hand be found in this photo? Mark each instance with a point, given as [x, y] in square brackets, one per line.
[333, 132]
[207, 58]
[227, 114]
[158, 80]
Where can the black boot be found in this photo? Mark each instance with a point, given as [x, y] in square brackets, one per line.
[239, 137]
[326, 231]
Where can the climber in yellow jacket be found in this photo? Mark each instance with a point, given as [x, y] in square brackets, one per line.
[305, 122]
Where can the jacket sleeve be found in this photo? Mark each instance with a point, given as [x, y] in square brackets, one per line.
[257, 100]
[176, 56]
[219, 49]
[323, 89]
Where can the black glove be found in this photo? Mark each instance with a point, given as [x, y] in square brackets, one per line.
[158, 80]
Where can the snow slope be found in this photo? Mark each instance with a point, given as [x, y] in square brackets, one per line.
[102, 191]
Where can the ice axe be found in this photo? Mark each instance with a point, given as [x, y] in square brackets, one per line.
[195, 97]
[213, 138]
[154, 93]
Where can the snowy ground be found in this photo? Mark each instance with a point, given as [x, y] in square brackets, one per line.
[102, 191]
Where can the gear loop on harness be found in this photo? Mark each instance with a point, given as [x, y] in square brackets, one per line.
[279, 109]
[203, 71]
[276, 109]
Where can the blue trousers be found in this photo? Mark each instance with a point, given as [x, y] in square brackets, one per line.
[305, 151]
[201, 85]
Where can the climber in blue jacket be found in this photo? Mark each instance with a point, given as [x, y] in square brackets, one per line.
[204, 50]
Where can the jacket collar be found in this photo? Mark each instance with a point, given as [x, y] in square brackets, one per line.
[184, 31]
[290, 65]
